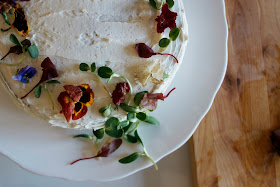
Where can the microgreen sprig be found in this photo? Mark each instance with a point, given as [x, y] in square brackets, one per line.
[21, 47]
[38, 90]
[134, 156]
[106, 111]
[107, 73]
[173, 35]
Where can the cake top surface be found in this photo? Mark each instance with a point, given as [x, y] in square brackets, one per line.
[89, 31]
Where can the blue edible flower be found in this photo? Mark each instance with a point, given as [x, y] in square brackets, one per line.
[25, 74]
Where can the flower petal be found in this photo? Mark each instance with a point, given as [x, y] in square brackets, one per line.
[74, 92]
[25, 74]
[67, 104]
[20, 22]
[88, 95]
[120, 92]
[79, 111]
[166, 19]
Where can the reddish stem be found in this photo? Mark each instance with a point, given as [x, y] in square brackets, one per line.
[82, 159]
[30, 91]
[168, 55]
[169, 93]
[4, 56]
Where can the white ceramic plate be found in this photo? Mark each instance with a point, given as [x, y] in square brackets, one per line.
[46, 150]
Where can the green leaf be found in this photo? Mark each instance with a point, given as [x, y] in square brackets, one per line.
[170, 3]
[105, 72]
[174, 33]
[131, 117]
[4, 14]
[84, 67]
[164, 42]
[155, 5]
[99, 134]
[33, 51]
[142, 116]
[93, 67]
[165, 76]
[138, 97]
[14, 40]
[130, 158]
[53, 82]
[129, 108]
[125, 129]
[38, 91]
[138, 137]
[111, 128]
[105, 111]
[152, 120]
[130, 138]
[123, 124]
[83, 136]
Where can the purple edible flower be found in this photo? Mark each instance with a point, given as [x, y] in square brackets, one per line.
[25, 74]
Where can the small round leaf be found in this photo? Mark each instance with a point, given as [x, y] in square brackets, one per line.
[105, 72]
[111, 128]
[142, 116]
[84, 67]
[164, 42]
[33, 51]
[170, 3]
[99, 134]
[174, 33]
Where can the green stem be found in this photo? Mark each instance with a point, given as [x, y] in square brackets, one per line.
[50, 96]
[105, 88]
[136, 126]
[150, 158]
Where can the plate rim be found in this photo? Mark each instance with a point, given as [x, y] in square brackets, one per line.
[206, 110]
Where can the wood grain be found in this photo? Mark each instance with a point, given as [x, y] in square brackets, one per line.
[232, 147]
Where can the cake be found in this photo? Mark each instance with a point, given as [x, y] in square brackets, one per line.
[105, 32]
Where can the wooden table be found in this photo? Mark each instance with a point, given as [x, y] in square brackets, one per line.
[232, 147]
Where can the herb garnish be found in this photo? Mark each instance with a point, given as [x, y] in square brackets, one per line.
[107, 73]
[145, 51]
[133, 157]
[105, 151]
[20, 48]
[164, 42]
[49, 72]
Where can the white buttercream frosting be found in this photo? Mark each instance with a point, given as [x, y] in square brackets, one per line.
[105, 32]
